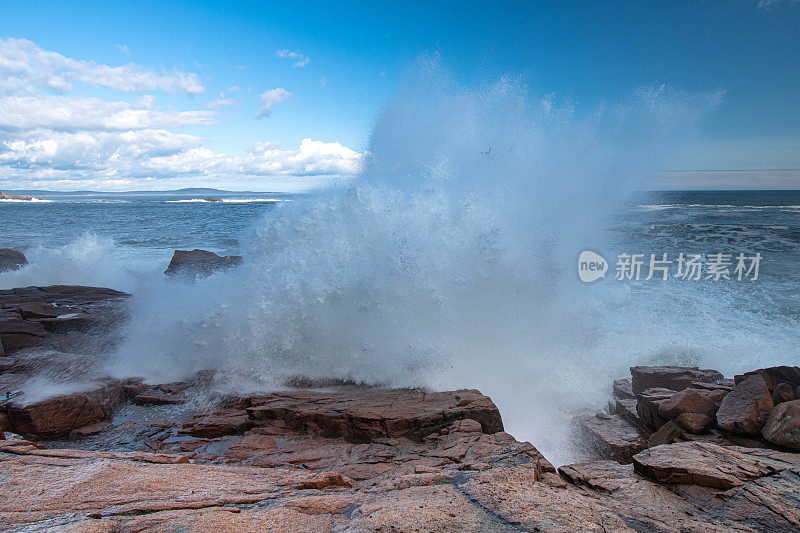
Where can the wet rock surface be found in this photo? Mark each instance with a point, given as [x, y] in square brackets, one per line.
[298, 466]
[612, 436]
[129, 455]
[60, 414]
[669, 377]
[199, 262]
[714, 448]
[42, 316]
[783, 425]
[275, 475]
[746, 408]
[11, 259]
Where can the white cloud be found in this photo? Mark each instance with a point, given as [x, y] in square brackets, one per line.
[123, 49]
[25, 67]
[65, 141]
[118, 152]
[312, 158]
[42, 155]
[220, 102]
[270, 98]
[68, 113]
[300, 60]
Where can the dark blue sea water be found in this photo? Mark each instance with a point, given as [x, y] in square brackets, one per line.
[418, 291]
[152, 225]
[145, 221]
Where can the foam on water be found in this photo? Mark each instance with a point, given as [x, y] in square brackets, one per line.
[19, 201]
[88, 260]
[449, 262]
[446, 263]
[228, 200]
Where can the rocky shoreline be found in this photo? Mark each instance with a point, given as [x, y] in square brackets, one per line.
[677, 449]
[6, 196]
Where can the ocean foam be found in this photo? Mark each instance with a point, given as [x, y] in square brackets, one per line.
[445, 264]
[229, 200]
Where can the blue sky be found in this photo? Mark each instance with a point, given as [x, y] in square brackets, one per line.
[203, 68]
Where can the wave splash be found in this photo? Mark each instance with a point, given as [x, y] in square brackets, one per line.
[446, 263]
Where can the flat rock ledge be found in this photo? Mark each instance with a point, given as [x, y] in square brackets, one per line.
[359, 459]
[33, 317]
[276, 477]
[677, 449]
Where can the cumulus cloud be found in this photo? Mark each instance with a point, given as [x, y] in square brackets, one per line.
[118, 152]
[52, 139]
[66, 113]
[300, 60]
[312, 158]
[220, 102]
[270, 98]
[25, 67]
[49, 155]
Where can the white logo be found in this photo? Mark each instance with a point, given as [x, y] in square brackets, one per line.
[591, 266]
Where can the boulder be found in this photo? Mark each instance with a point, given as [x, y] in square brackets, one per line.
[611, 437]
[647, 405]
[755, 502]
[783, 425]
[783, 392]
[59, 415]
[774, 376]
[11, 259]
[724, 438]
[217, 423]
[666, 434]
[626, 409]
[600, 496]
[200, 262]
[694, 422]
[717, 395]
[725, 385]
[597, 475]
[623, 390]
[746, 408]
[700, 463]
[675, 378]
[686, 401]
[366, 414]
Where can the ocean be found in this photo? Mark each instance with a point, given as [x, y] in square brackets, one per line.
[355, 284]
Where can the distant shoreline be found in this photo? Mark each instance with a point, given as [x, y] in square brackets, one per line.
[14, 197]
[200, 192]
